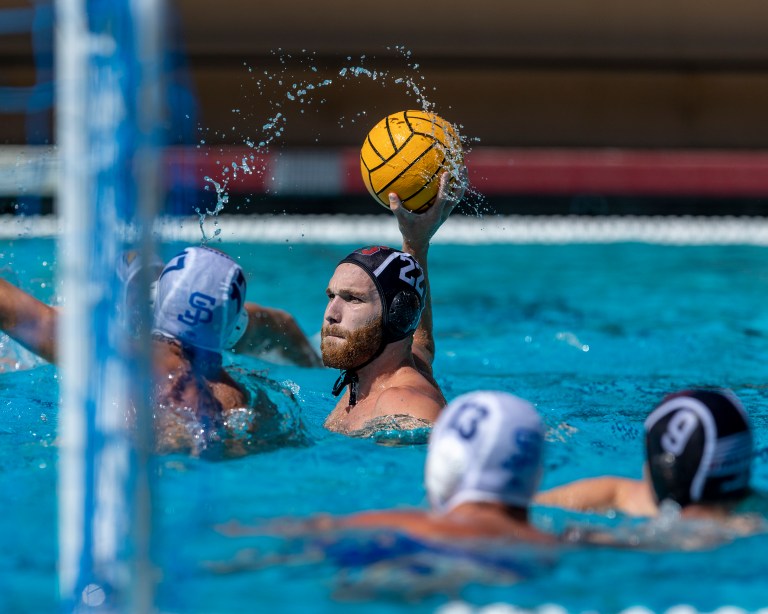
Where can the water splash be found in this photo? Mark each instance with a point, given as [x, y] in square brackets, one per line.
[572, 340]
[296, 85]
[222, 198]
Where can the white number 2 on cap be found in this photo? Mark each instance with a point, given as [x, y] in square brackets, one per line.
[416, 281]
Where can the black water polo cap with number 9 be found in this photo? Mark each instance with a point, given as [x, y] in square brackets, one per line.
[399, 280]
[699, 447]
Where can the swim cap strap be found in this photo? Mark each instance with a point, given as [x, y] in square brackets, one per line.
[347, 378]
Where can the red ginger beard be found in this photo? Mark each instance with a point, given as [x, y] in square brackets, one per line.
[358, 346]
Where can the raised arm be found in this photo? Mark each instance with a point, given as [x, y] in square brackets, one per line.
[417, 229]
[276, 330]
[28, 321]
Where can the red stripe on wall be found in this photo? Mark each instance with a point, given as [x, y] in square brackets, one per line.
[649, 173]
[519, 171]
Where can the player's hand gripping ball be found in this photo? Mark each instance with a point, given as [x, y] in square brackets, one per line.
[406, 153]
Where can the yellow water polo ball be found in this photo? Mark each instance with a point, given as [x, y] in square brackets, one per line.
[406, 153]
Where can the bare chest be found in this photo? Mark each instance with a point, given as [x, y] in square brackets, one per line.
[345, 418]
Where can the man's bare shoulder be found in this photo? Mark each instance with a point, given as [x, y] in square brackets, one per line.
[417, 399]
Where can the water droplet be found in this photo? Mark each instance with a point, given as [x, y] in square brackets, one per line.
[93, 595]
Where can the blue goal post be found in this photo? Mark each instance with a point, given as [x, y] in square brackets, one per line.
[108, 109]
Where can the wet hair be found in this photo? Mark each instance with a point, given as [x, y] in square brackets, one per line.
[699, 447]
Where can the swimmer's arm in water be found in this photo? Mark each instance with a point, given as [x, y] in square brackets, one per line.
[417, 229]
[413, 520]
[275, 329]
[321, 523]
[603, 493]
[416, 523]
[28, 321]
[429, 525]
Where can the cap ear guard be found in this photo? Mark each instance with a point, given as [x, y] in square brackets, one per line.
[237, 293]
[673, 474]
[238, 329]
[403, 315]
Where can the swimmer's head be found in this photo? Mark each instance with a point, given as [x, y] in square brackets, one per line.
[399, 280]
[699, 447]
[201, 300]
[485, 446]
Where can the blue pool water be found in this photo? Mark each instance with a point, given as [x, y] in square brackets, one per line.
[594, 335]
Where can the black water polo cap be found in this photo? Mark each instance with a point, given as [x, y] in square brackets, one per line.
[699, 447]
[399, 279]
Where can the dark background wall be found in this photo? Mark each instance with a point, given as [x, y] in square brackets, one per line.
[559, 74]
[534, 73]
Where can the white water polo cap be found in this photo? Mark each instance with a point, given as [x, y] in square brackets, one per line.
[485, 446]
[201, 299]
[699, 447]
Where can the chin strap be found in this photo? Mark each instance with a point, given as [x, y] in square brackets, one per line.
[347, 378]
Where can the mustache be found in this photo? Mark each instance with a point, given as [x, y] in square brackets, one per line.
[334, 330]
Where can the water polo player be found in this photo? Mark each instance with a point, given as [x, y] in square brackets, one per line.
[377, 328]
[483, 467]
[698, 446]
[199, 312]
